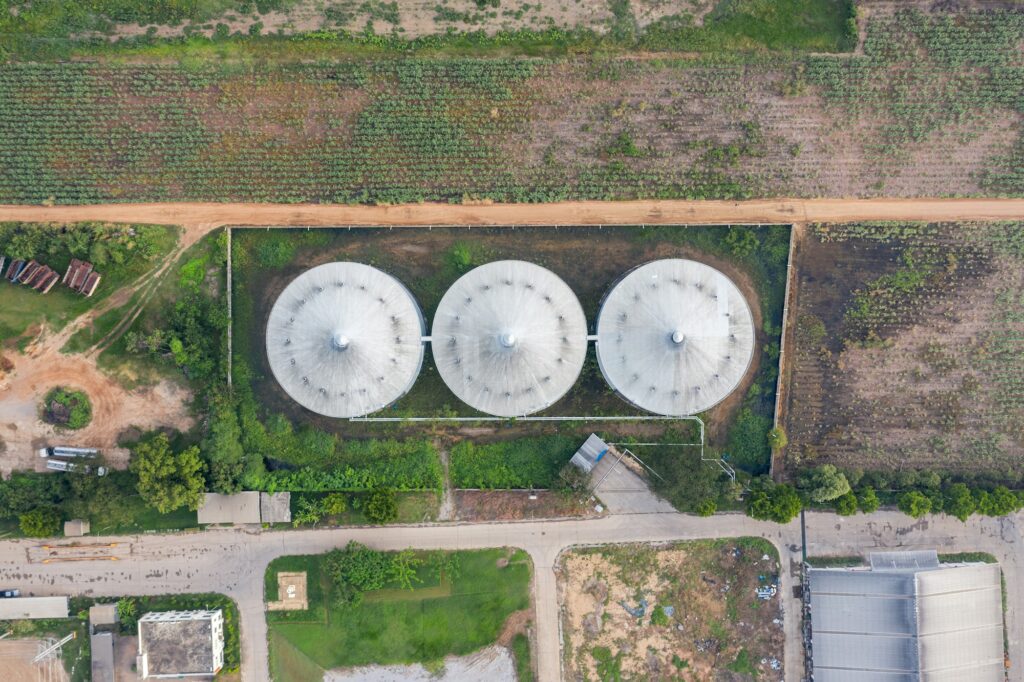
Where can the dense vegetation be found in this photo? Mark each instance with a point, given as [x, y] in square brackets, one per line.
[51, 28]
[390, 130]
[519, 463]
[67, 408]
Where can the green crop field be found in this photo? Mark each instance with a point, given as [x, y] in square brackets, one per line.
[929, 108]
[392, 625]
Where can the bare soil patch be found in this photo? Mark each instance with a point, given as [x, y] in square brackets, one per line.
[701, 616]
[890, 375]
[16, 662]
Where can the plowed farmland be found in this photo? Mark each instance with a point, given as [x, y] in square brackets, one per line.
[931, 107]
[910, 348]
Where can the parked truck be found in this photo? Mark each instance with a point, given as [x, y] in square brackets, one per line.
[64, 451]
[73, 467]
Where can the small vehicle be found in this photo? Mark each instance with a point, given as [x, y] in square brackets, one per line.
[9, 594]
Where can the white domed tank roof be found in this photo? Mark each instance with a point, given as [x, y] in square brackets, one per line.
[674, 337]
[509, 338]
[345, 339]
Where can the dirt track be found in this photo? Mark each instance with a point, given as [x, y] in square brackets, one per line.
[200, 218]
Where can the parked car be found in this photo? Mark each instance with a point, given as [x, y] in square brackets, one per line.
[7, 594]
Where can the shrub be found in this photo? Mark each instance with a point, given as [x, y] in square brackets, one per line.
[355, 570]
[777, 438]
[381, 506]
[707, 508]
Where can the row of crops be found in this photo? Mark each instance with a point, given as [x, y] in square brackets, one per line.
[520, 129]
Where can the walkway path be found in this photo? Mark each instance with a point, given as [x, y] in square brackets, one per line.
[200, 218]
[233, 562]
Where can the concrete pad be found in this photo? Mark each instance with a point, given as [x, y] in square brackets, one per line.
[622, 490]
[240, 508]
[291, 593]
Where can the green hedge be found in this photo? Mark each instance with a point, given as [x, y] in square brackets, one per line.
[361, 465]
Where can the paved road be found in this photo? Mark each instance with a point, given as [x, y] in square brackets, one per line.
[233, 562]
[207, 216]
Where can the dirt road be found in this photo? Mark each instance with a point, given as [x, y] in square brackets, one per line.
[201, 218]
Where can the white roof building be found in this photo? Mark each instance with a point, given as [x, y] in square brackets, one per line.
[21, 608]
[674, 337]
[509, 338]
[180, 644]
[908, 618]
[345, 339]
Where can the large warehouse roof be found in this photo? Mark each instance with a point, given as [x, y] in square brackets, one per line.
[345, 339]
[509, 338]
[908, 619]
[674, 337]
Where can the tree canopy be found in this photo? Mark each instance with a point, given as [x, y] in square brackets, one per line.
[168, 481]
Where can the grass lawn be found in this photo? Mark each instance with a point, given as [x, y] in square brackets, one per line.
[23, 307]
[422, 627]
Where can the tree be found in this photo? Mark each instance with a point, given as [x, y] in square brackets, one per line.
[914, 504]
[381, 506]
[867, 500]
[223, 447]
[43, 522]
[168, 481]
[1001, 502]
[771, 502]
[846, 505]
[403, 569]
[445, 565]
[777, 438]
[101, 497]
[960, 502]
[826, 483]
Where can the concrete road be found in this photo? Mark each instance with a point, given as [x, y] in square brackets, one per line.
[233, 562]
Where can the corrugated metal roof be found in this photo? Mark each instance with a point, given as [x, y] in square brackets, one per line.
[940, 624]
[904, 561]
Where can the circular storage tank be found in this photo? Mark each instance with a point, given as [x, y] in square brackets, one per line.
[674, 337]
[509, 338]
[345, 339]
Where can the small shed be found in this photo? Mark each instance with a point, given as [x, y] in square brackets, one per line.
[276, 507]
[102, 614]
[240, 508]
[590, 453]
[76, 528]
